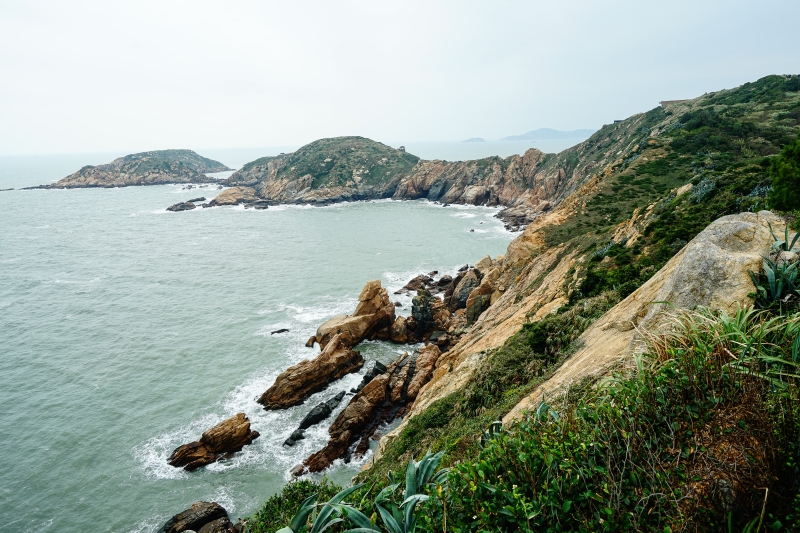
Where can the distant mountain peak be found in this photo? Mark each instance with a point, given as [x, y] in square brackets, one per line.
[543, 134]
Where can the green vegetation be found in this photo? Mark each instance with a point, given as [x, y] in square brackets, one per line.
[344, 161]
[785, 172]
[711, 415]
[165, 160]
[281, 507]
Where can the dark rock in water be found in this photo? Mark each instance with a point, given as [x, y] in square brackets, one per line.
[297, 470]
[398, 304]
[433, 273]
[220, 525]
[377, 369]
[282, 330]
[321, 412]
[181, 206]
[419, 282]
[207, 204]
[200, 199]
[297, 434]
[445, 205]
[311, 340]
[472, 231]
[260, 204]
[444, 280]
[385, 398]
[464, 268]
[194, 518]
[227, 437]
[422, 311]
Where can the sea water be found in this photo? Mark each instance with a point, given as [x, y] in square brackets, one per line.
[126, 331]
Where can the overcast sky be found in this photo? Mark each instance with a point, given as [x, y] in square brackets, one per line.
[86, 76]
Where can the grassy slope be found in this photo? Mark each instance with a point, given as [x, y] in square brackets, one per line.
[332, 162]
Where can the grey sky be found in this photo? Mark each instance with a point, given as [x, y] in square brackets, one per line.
[86, 76]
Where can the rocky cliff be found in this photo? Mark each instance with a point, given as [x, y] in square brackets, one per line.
[355, 168]
[640, 191]
[146, 168]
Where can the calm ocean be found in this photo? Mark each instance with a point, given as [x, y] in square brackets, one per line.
[126, 331]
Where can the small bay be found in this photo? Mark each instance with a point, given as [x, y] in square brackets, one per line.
[126, 331]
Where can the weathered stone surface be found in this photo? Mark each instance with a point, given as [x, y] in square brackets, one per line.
[373, 318]
[195, 517]
[235, 196]
[302, 380]
[227, 437]
[310, 342]
[710, 271]
[383, 399]
[419, 282]
[399, 332]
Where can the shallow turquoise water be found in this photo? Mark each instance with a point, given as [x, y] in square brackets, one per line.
[126, 331]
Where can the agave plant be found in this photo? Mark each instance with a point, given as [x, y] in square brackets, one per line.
[776, 284]
[396, 518]
[783, 245]
[330, 514]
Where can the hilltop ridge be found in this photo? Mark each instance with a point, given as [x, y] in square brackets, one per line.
[144, 168]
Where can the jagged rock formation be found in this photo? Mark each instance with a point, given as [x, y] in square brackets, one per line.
[383, 399]
[297, 383]
[355, 168]
[227, 437]
[201, 517]
[649, 176]
[372, 318]
[146, 168]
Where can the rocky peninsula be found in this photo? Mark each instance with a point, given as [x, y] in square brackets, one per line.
[146, 168]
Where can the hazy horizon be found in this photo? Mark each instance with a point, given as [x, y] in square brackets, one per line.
[96, 77]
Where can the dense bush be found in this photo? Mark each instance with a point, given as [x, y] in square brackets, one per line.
[279, 509]
[688, 442]
[785, 173]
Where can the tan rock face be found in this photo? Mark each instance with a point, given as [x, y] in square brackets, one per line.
[373, 318]
[228, 436]
[235, 196]
[710, 271]
[381, 400]
[302, 380]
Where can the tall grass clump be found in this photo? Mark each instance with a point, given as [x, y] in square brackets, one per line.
[691, 440]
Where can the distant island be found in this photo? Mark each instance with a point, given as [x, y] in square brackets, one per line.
[546, 134]
[474, 140]
[145, 168]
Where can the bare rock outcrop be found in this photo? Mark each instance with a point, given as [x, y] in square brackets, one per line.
[202, 517]
[710, 271]
[383, 399]
[235, 196]
[294, 385]
[227, 437]
[372, 319]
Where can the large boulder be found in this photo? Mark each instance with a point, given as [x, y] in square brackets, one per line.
[711, 271]
[235, 196]
[384, 398]
[321, 411]
[302, 380]
[227, 437]
[372, 319]
[196, 517]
